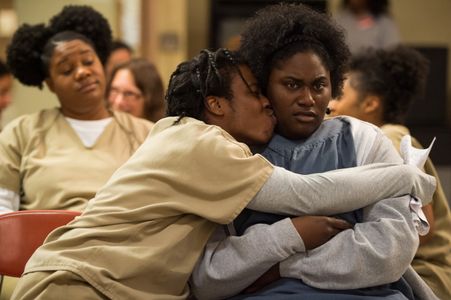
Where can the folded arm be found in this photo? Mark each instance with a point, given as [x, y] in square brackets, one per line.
[383, 246]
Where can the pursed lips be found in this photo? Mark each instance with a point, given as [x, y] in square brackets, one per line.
[88, 86]
[305, 116]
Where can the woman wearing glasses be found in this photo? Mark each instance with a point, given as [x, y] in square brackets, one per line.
[136, 87]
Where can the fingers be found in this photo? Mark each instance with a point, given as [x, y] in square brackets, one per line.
[340, 224]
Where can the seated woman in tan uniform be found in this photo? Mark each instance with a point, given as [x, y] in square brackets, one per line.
[141, 235]
[58, 158]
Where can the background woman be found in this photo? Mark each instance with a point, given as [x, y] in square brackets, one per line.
[137, 88]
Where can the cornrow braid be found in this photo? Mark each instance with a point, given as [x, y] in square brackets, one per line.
[207, 74]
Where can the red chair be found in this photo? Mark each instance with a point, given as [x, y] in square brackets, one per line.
[22, 232]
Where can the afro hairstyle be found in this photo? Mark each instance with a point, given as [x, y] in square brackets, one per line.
[397, 75]
[24, 53]
[277, 32]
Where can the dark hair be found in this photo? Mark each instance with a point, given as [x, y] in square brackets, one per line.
[278, 32]
[375, 7]
[149, 82]
[207, 74]
[4, 70]
[119, 44]
[396, 75]
[32, 45]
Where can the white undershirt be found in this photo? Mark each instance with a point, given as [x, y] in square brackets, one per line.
[89, 131]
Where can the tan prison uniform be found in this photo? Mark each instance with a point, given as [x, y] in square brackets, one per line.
[433, 259]
[42, 157]
[142, 234]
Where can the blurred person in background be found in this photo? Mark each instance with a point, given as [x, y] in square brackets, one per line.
[6, 83]
[380, 87]
[136, 87]
[120, 53]
[367, 23]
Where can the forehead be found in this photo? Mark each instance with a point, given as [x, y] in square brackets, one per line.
[66, 49]
[302, 64]
[248, 76]
[123, 77]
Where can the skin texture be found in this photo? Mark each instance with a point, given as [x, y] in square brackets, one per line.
[76, 76]
[299, 89]
[248, 116]
[368, 108]
[6, 82]
[125, 95]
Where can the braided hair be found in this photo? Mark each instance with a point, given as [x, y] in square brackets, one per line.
[277, 32]
[207, 74]
[397, 75]
[31, 47]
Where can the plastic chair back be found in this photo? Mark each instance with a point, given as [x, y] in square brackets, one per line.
[22, 232]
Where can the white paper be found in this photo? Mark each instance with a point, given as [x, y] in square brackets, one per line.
[416, 157]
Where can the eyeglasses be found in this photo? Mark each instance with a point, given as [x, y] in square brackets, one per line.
[127, 95]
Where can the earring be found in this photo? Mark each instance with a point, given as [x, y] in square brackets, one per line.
[328, 111]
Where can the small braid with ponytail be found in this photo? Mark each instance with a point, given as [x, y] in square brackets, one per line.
[208, 74]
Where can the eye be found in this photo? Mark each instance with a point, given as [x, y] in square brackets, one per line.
[66, 71]
[88, 62]
[292, 84]
[319, 86]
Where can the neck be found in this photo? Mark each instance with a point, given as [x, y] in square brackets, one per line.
[88, 115]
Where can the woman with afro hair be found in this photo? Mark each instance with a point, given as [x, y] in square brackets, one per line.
[141, 235]
[379, 88]
[58, 158]
[299, 58]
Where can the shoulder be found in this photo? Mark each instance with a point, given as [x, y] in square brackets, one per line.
[134, 125]
[394, 131]
[31, 122]
[361, 129]
[197, 135]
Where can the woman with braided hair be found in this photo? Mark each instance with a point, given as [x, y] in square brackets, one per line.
[58, 158]
[299, 57]
[141, 235]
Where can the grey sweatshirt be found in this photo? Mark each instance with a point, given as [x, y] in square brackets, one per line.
[375, 252]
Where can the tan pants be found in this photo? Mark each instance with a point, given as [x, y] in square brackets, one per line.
[55, 285]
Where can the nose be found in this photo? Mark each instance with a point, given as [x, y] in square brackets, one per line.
[333, 106]
[119, 102]
[265, 103]
[82, 72]
[306, 98]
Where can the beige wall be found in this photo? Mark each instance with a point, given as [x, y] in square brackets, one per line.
[165, 34]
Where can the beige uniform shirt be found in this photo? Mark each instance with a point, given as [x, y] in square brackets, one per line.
[433, 259]
[142, 234]
[43, 159]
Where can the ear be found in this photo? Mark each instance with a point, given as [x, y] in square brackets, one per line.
[371, 104]
[213, 105]
[49, 84]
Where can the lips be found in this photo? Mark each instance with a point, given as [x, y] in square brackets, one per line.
[88, 87]
[305, 116]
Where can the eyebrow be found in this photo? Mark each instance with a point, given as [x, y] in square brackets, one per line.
[291, 77]
[65, 58]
